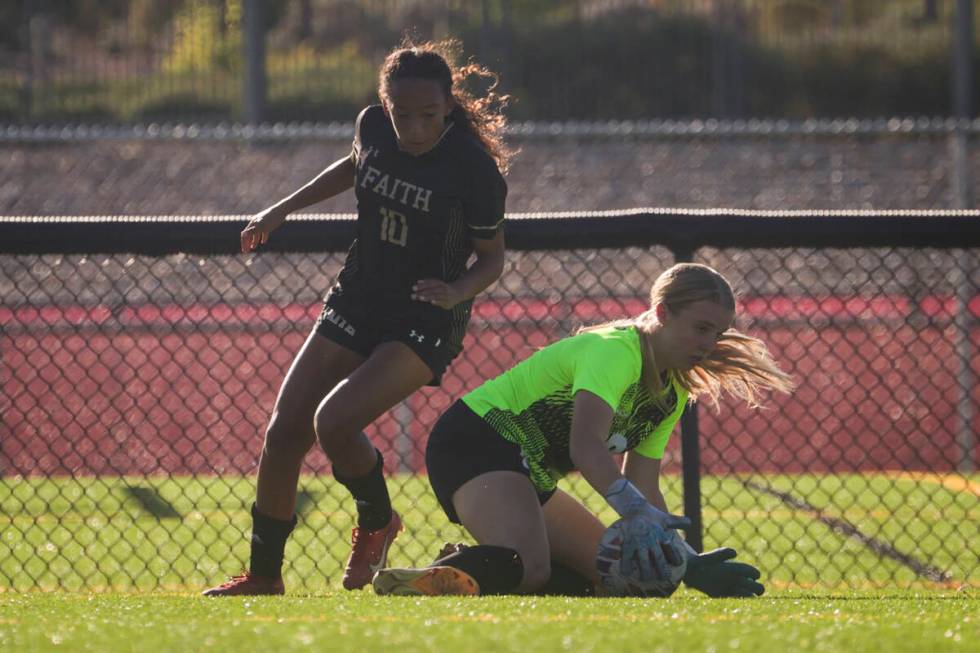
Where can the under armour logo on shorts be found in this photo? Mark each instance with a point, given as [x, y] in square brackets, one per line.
[417, 336]
[341, 323]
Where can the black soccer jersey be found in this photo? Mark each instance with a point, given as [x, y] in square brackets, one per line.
[416, 215]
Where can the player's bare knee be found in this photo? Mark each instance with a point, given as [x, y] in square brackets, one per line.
[286, 440]
[332, 431]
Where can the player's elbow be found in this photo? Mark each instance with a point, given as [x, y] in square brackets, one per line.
[490, 257]
[583, 451]
[494, 264]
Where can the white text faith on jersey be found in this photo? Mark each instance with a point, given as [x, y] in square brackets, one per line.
[388, 186]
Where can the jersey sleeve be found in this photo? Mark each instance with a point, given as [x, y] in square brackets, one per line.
[483, 207]
[606, 368]
[655, 443]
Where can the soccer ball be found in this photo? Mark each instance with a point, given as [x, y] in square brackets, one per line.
[608, 558]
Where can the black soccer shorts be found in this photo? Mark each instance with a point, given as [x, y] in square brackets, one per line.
[355, 326]
[463, 446]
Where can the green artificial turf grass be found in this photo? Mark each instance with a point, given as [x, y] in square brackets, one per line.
[360, 621]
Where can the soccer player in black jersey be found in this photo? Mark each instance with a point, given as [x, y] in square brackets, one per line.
[426, 167]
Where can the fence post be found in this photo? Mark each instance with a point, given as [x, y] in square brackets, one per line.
[960, 100]
[691, 456]
[963, 321]
[727, 65]
[253, 19]
[691, 460]
[38, 33]
[963, 265]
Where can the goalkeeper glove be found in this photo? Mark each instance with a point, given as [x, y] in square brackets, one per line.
[712, 574]
[643, 540]
[645, 534]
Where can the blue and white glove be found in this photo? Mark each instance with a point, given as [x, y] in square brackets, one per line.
[646, 532]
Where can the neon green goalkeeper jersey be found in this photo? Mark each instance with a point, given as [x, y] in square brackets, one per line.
[531, 404]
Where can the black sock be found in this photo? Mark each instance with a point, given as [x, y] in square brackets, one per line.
[268, 541]
[565, 581]
[370, 493]
[497, 569]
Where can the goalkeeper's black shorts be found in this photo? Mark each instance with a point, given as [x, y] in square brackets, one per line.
[463, 446]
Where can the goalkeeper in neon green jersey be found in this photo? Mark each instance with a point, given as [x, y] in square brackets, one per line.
[495, 456]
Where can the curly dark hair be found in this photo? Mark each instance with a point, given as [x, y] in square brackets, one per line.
[480, 116]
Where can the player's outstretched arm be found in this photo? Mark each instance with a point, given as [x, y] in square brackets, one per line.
[335, 179]
[646, 526]
[644, 473]
[591, 420]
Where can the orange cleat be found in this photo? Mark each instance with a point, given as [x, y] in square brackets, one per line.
[369, 553]
[428, 581]
[248, 584]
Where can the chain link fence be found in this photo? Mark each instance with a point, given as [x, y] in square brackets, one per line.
[136, 389]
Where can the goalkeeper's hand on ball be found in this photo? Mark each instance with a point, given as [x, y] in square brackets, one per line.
[646, 538]
[714, 574]
[644, 544]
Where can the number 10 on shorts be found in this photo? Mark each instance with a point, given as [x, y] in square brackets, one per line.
[394, 227]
